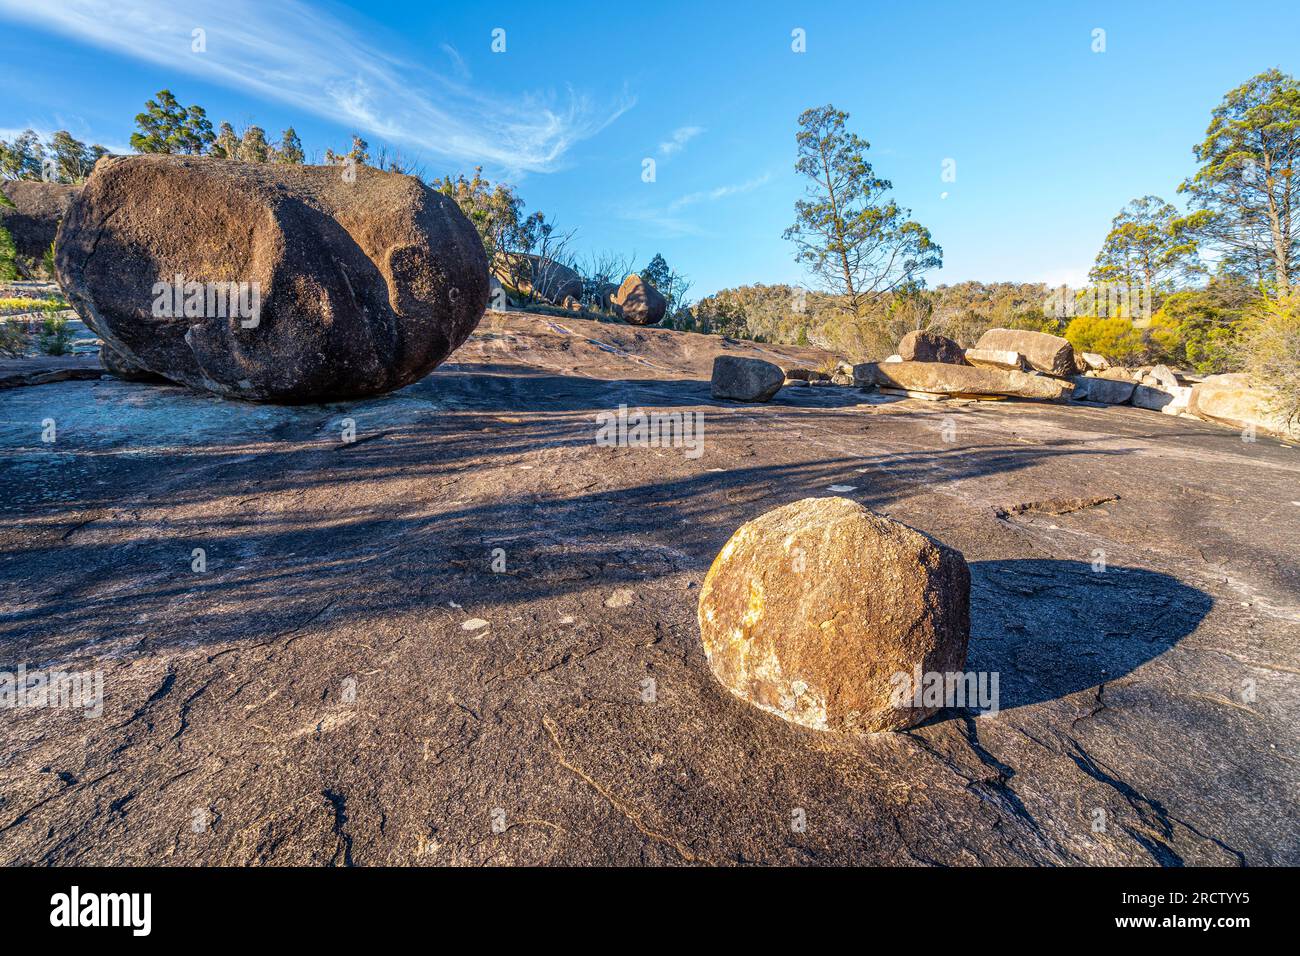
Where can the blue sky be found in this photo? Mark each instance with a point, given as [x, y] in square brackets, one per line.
[1049, 138]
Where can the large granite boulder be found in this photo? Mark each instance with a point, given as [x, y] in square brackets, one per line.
[922, 346]
[1046, 353]
[33, 222]
[745, 379]
[821, 612]
[638, 302]
[271, 282]
[1233, 400]
[962, 381]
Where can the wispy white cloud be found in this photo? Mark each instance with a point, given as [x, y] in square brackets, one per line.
[457, 61]
[719, 192]
[671, 220]
[680, 137]
[311, 59]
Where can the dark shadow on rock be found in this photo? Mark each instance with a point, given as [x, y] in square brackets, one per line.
[1052, 628]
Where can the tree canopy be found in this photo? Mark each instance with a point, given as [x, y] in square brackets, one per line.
[1149, 244]
[854, 239]
[166, 126]
[1245, 190]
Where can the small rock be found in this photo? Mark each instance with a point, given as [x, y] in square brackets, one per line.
[1174, 398]
[474, 624]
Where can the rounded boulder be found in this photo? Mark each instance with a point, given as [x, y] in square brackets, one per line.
[271, 282]
[817, 611]
[638, 302]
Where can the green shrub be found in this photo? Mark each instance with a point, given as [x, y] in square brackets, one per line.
[8, 251]
[1117, 339]
[1269, 348]
[55, 338]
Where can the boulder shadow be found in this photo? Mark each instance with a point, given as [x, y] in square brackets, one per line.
[1051, 628]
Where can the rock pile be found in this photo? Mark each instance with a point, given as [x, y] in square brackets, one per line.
[940, 379]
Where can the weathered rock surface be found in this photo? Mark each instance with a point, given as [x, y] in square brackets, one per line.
[962, 380]
[745, 379]
[814, 611]
[38, 209]
[600, 732]
[1233, 400]
[995, 358]
[1046, 353]
[364, 285]
[923, 346]
[1105, 391]
[638, 302]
